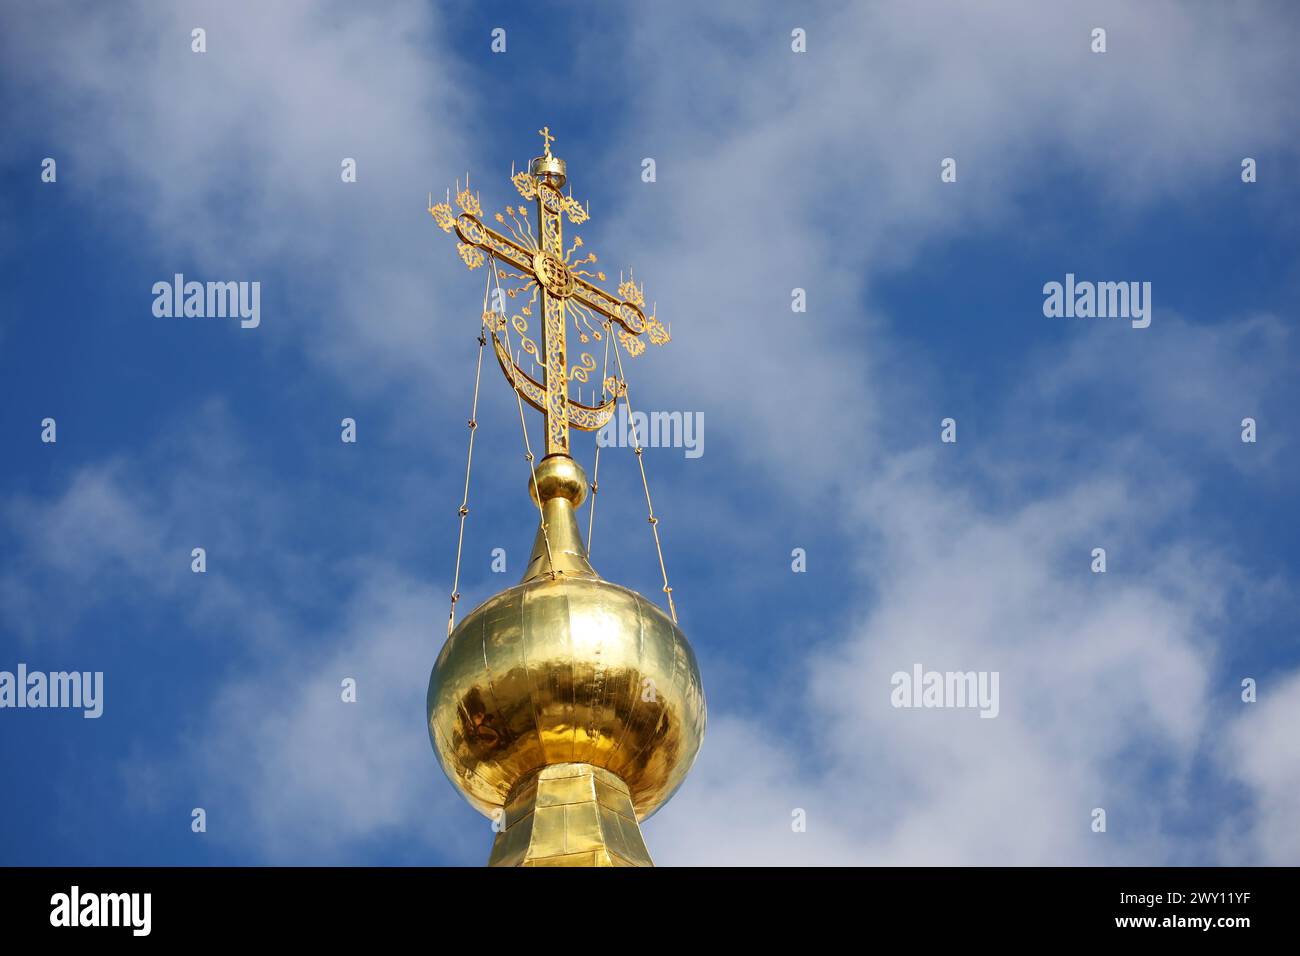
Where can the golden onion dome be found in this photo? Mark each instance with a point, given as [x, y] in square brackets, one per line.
[565, 668]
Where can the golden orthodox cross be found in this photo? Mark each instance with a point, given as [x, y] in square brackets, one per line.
[564, 289]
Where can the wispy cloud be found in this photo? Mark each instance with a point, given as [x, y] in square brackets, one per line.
[229, 161]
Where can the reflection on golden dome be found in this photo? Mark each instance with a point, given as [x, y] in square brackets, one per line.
[565, 669]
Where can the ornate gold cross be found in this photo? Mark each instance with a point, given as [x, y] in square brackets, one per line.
[565, 290]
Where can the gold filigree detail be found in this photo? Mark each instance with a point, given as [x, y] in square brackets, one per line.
[587, 418]
[631, 344]
[526, 184]
[529, 346]
[582, 371]
[658, 332]
[470, 255]
[442, 215]
[576, 212]
[629, 291]
[537, 263]
[468, 202]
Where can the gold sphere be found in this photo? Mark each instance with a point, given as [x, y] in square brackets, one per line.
[565, 669]
[558, 476]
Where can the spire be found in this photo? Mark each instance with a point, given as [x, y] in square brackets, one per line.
[560, 489]
[567, 708]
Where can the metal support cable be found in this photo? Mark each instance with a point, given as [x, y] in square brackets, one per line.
[640, 460]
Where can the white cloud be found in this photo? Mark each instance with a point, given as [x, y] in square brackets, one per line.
[821, 171]
[128, 526]
[1186, 384]
[229, 161]
[1261, 749]
[299, 775]
[1099, 674]
[1106, 680]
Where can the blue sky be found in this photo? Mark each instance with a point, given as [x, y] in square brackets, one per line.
[775, 170]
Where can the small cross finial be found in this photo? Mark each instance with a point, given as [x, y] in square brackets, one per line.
[547, 139]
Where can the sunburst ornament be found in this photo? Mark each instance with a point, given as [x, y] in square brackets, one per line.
[534, 265]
